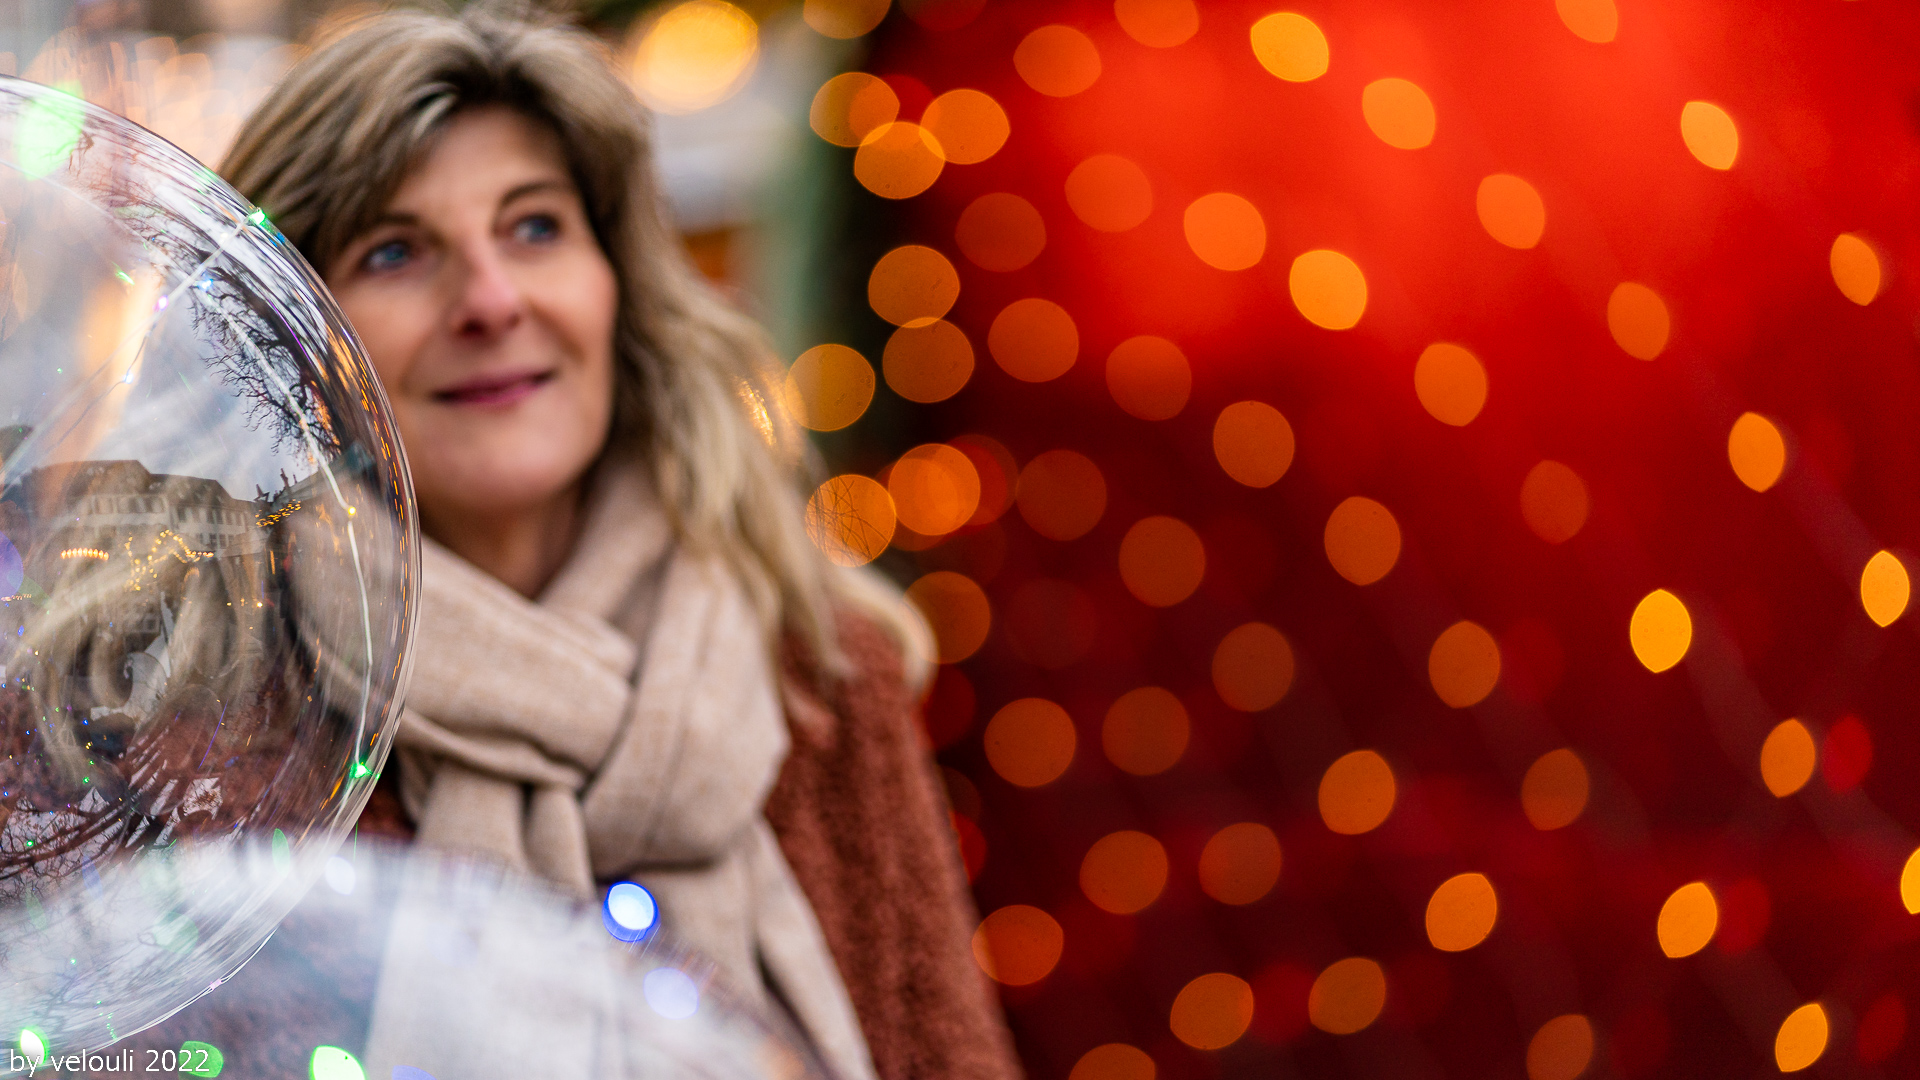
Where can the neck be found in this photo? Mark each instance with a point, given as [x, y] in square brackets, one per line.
[524, 549]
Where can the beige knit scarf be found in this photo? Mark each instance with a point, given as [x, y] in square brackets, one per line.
[626, 726]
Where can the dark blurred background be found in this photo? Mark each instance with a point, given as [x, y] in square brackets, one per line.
[1416, 498]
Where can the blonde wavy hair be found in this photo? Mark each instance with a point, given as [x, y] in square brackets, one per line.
[696, 393]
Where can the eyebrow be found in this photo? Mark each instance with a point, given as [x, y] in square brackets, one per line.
[519, 191]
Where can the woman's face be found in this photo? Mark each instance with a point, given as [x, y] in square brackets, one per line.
[487, 307]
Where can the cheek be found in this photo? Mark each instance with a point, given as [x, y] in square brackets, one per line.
[392, 327]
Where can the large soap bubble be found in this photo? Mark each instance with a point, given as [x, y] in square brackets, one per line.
[207, 557]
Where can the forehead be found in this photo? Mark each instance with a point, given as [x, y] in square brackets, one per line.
[481, 156]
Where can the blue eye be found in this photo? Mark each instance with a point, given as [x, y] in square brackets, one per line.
[536, 228]
[387, 256]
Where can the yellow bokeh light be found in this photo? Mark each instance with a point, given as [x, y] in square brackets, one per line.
[851, 106]
[1212, 1011]
[1399, 112]
[1347, 996]
[1638, 319]
[851, 518]
[1710, 134]
[1240, 864]
[1018, 945]
[1290, 46]
[1058, 61]
[1357, 793]
[1030, 742]
[1253, 667]
[1226, 231]
[898, 160]
[1146, 731]
[1661, 630]
[1856, 268]
[1162, 561]
[1510, 210]
[968, 126]
[697, 54]
[1688, 920]
[844, 18]
[1802, 1038]
[1034, 340]
[956, 609]
[1554, 792]
[1451, 384]
[1787, 758]
[1124, 872]
[1328, 288]
[1590, 20]
[928, 363]
[1149, 377]
[935, 488]
[1884, 588]
[1757, 450]
[1464, 664]
[1910, 883]
[1253, 442]
[1000, 232]
[1159, 24]
[913, 286]
[1363, 540]
[1553, 501]
[1109, 193]
[1114, 1061]
[1461, 912]
[1561, 1050]
[829, 387]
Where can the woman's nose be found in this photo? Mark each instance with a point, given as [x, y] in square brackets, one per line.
[491, 300]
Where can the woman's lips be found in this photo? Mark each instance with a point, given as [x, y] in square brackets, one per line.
[493, 391]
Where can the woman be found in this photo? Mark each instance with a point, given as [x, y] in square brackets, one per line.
[632, 664]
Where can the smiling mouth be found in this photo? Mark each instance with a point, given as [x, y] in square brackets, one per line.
[493, 391]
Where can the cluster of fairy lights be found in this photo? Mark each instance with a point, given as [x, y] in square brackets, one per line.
[939, 489]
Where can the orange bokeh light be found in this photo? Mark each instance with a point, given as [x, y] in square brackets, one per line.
[912, 286]
[844, 18]
[898, 160]
[1464, 664]
[1363, 540]
[1253, 667]
[851, 518]
[1000, 232]
[1510, 210]
[1226, 231]
[1030, 742]
[935, 489]
[1461, 912]
[1757, 451]
[1639, 320]
[1162, 561]
[1058, 61]
[1855, 267]
[1357, 793]
[828, 387]
[1553, 501]
[851, 106]
[1253, 442]
[1113, 1061]
[1450, 383]
[1554, 792]
[1328, 289]
[1212, 1011]
[968, 125]
[1034, 340]
[957, 611]
[1149, 377]
[1018, 945]
[1399, 112]
[1109, 193]
[1597, 21]
[1146, 731]
[1240, 863]
[928, 363]
[1563, 1047]
[1160, 24]
[1061, 494]
[1710, 134]
[1348, 996]
[1124, 872]
[1290, 46]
